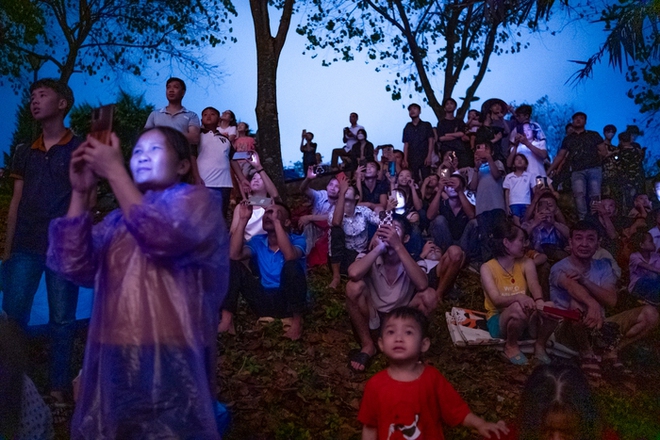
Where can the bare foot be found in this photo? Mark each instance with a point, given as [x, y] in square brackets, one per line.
[227, 323]
[294, 328]
[334, 283]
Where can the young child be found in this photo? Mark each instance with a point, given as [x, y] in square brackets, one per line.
[410, 399]
[518, 189]
[645, 269]
[548, 234]
[158, 265]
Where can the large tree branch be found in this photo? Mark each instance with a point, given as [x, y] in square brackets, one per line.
[283, 29]
[489, 46]
[383, 13]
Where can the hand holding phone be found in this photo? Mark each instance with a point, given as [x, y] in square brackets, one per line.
[102, 123]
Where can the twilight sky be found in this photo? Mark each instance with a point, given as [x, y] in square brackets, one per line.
[320, 99]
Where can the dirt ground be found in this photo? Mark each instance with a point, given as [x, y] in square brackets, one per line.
[279, 389]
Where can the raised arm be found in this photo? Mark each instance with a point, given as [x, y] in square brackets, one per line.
[237, 249]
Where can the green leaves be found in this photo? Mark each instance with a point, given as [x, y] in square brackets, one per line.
[120, 35]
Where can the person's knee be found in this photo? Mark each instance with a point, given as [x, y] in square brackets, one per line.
[516, 311]
[439, 222]
[650, 317]
[355, 289]
[455, 255]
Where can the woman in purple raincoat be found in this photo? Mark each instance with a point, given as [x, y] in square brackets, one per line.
[159, 266]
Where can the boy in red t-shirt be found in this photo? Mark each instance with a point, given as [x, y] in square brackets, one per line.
[410, 400]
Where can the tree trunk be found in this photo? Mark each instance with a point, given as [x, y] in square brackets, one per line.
[268, 55]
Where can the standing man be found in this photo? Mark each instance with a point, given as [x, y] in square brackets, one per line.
[585, 150]
[450, 132]
[41, 193]
[175, 115]
[418, 140]
[349, 139]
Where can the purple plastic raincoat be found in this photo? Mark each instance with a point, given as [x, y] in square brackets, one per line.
[159, 275]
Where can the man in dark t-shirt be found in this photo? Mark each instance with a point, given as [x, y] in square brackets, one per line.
[586, 150]
[450, 132]
[418, 142]
[42, 192]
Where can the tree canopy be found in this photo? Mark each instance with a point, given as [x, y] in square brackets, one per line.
[633, 41]
[98, 36]
[423, 38]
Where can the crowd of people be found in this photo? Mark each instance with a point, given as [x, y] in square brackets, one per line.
[398, 224]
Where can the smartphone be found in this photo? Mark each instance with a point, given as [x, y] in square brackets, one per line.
[319, 170]
[385, 218]
[341, 175]
[259, 201]
[392, 168]
[362, 162]
[595, 200]
[452, 154]
[444, 173]
[102, 123]
[242, 155]
[539, 181]
[388, 151]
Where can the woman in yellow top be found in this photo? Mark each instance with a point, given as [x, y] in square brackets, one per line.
[508, 279]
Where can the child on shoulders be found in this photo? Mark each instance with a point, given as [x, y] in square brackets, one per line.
[409, 397]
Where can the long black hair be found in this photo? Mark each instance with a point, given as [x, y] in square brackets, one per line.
[558, 388]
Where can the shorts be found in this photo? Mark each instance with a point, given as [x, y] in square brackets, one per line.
[518, 210]
[493, 325]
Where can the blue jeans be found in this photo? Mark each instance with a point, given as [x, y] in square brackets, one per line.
[21, 274]
[586, 184]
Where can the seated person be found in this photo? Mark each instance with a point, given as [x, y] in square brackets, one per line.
[315, 225]
[412, 203]
[349, 235]
[260, 186]
[655, 231]
[512, 295]
[385, 278]
[644, 269]
[410, 399]
[361, 152]
[581, 282]
[277, 287]
[604, 215]
[373, 190]
[640, 217]
[451, 215]
[442, 268]
[548, 234]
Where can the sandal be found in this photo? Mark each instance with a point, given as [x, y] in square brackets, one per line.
[591, 368]
[543, 358]
[359, 357]
[517, 359]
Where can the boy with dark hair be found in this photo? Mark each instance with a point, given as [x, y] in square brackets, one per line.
[410, 399]
[41, 193]
[418, 140]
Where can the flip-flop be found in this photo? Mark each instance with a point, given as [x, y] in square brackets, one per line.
[361, 358]
[543, 358]
[591, 368]
[518, 359]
